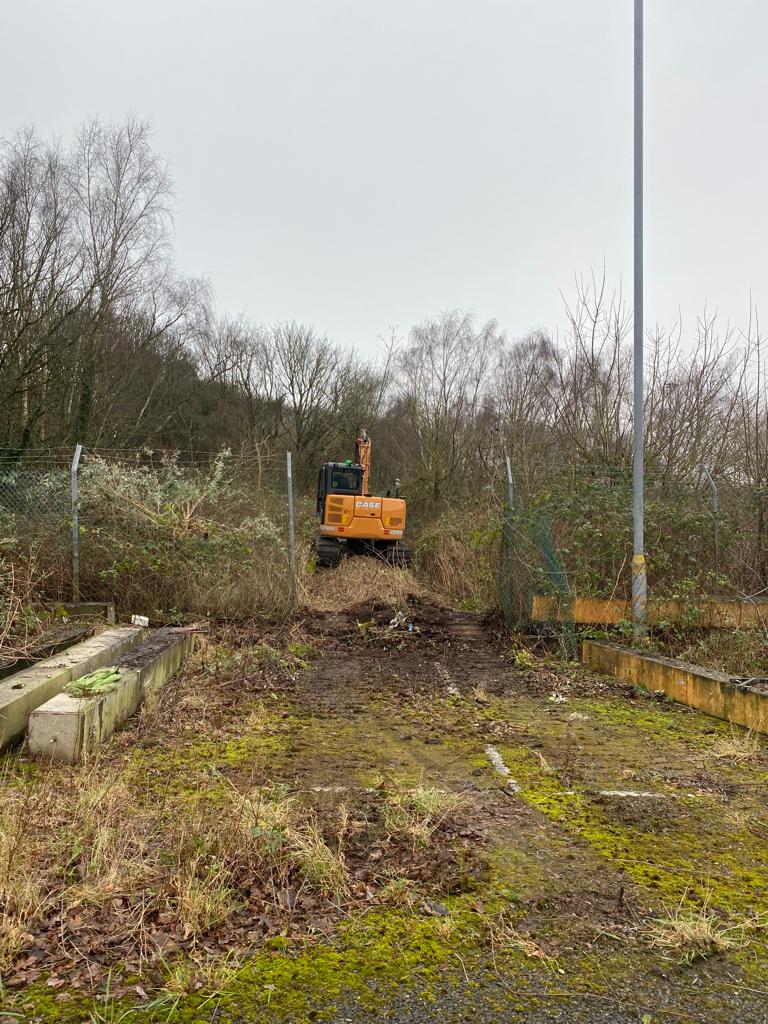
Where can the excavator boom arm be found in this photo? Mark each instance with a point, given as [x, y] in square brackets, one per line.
[363, 446]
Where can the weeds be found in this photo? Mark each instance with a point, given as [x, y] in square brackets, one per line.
[323, 868]
[23, 893]
[220, 660]
[417, 813]
[462, 562]
[505, 938]
[358, 581]
[21, 581]
[523, 659]
[80, 843]
[739, 747]
[202, 895]
[741, 652]
[187, 976]
[286, 836]
[400, 891]
[687, 934]
[162, 536]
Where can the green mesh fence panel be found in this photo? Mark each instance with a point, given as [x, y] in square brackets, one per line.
[528, 565]
[515, 584]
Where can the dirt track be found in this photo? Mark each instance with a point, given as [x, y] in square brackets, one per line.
[532, 900]
[427, 704]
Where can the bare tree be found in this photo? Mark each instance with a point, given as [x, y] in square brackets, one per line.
[689, 402]
[525, 398]
[591, 398]
[442, 376]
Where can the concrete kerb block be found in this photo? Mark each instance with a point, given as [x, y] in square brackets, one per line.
[67, 728]
[23, 692]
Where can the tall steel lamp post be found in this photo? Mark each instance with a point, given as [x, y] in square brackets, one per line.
[639, 580]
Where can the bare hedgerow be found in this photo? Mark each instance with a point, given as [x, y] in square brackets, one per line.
[163, 536]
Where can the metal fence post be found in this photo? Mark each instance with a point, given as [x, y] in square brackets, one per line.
[715, 515]
[510, 485]
[75, 525]
[291, 535]
[510, 598]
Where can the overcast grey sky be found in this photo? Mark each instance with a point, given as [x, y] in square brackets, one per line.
[359, 164]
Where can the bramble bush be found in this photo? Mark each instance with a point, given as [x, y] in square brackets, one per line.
[169, 538]
[457, 555]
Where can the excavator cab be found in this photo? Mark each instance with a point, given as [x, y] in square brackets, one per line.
[338, 478]
[352, 520]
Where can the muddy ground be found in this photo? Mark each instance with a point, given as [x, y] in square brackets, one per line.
[583, 821]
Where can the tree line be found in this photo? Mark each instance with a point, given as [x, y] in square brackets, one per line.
[103, 341]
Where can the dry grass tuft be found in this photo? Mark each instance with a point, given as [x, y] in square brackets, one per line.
[187, 976]
[400, 891]
[505, 938]
[323, 868]
[202, 895]
[739, 747]
[22, 892]
[417, 813]
[105, 834]
[74, 839]
[687, 934]
[358, 581]
[82, 838]
[284, 836]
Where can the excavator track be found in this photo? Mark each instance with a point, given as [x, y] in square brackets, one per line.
[327, 552]
[399, 555]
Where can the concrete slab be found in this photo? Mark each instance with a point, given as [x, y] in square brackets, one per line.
[24, 691]
[704, 689]
[87, 610]
[67, 728]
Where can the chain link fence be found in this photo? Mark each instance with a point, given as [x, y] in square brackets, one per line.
[35, 495]
[153, 531]
[568, 533]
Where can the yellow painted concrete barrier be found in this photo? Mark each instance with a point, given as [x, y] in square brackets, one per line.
[598, 611]
[704, 689]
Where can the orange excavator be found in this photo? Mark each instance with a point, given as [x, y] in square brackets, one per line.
[352, 520]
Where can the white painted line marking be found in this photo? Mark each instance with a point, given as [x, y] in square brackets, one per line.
[498, 763]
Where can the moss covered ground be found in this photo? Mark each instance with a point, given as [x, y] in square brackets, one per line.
[532, 898]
